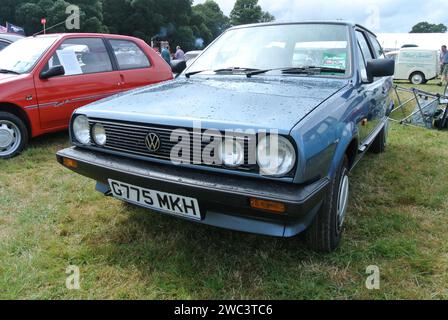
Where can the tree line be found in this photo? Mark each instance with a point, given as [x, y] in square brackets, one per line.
[177, 21]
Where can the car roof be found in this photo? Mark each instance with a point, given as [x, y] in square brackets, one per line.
[86, 35]
[416, 50]
[335, 22]
[11, 37]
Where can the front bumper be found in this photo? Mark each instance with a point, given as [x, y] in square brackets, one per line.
[224, 200]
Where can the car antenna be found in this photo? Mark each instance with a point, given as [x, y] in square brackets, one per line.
[52, 27]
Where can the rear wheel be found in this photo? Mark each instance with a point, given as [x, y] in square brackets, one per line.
[13, 135]
[325, 233]
[417, 78]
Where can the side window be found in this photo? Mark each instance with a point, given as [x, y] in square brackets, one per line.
[364, 46]
[379, 53]
[362, 64]
[364, 53]
[129, 55]
[82, 56]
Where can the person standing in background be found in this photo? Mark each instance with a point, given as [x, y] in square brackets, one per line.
[166, 54]
[444, 65]
[180, 54]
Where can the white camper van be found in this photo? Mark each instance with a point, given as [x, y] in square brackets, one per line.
[416, 65]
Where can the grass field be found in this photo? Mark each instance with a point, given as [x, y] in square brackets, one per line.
[51, 218]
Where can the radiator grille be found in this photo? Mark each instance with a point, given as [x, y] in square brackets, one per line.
[130, 138]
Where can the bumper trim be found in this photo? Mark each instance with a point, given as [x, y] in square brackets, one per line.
[224, 198]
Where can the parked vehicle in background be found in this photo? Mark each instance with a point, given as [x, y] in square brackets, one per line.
[7, 38]
[409, 46]
[191, 55]
[416, 65]
[259, 136]
[44, 79]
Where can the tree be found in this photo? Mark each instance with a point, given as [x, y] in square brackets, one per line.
[267, 17]
[28, 16]
[176, 21]
[425, 27]
[248, 11]
[212, 17]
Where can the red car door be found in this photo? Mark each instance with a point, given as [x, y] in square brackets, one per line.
[89, 76]
[135, 65]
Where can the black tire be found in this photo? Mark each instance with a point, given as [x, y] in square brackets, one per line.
[380, 143]
[12, 128]
[417, 75]
[325, 233]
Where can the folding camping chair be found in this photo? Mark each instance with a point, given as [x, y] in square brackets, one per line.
[444, 100]
[431, 110]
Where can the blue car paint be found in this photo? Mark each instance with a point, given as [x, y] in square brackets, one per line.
[221, 102]
[323, 115]
[323, 141]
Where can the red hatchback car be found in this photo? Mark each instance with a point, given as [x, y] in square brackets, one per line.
[44, 79]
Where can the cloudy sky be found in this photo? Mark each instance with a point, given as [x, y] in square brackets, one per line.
[379, 15]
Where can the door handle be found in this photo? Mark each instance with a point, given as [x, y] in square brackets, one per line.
[122, 79]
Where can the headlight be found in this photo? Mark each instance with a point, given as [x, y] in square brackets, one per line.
[232, 153]
[81, 129]
[276, 161]
[99, 134]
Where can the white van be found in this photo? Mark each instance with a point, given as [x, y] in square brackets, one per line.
[416, 65]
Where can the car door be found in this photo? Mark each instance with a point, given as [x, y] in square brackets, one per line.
[89, 76]
[134, 65]
[374, 94]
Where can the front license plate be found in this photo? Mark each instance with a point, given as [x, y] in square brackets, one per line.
[152, 199]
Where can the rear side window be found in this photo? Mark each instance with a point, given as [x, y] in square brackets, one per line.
[379, 53]
[82, 56]
[129, 55]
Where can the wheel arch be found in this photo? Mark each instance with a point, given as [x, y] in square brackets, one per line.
[414, 71]
[347, 147]
[351, 152]
[17, 111]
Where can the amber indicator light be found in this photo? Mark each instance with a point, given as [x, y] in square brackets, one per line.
[271, 206]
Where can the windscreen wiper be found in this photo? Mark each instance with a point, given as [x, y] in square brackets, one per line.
[8, 71]
[225, 70]
[311, 69]
[298, 70]
[189, 74]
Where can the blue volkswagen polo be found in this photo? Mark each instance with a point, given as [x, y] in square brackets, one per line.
[259, 134]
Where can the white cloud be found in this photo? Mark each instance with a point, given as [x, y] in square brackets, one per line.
[380, 15]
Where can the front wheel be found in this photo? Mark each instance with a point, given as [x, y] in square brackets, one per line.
[13, 135]
[325, 233]
[417, 78]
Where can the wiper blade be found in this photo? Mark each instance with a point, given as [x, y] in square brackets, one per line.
[189, 74]
[8, 71]
[312, 69]
[237, 69]
[297, 70]
[223, 70]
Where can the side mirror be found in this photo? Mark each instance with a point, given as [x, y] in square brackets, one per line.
[178, 66]
[52, 72]
[379, 68]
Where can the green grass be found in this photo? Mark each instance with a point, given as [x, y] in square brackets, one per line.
[51, 218]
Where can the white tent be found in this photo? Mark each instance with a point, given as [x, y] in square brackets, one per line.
[394, 41]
